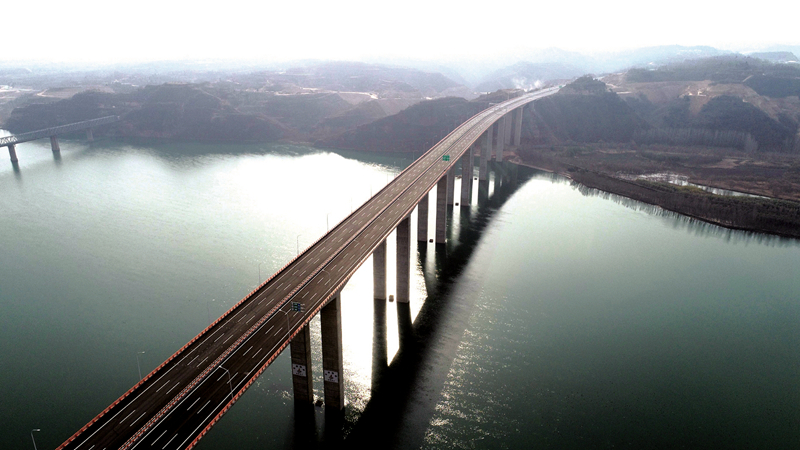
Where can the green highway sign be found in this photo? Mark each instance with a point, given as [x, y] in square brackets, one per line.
[446, 158]
[297, 307]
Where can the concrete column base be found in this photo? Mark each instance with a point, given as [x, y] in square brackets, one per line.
[332, 359]
[301, 366]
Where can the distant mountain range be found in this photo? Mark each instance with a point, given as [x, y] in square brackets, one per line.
[330, 102]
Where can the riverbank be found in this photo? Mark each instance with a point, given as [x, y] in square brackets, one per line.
[755, 214]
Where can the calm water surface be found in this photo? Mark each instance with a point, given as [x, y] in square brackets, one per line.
[558, 317]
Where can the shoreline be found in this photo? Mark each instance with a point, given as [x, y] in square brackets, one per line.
[645, 194]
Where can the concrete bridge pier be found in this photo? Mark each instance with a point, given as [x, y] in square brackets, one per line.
[451, 184]
[518, 125]
[379, 272]
[54, 144]
[12, 152]
[513, 130]
[466, 178]
[441, 211]
[302, 383]
[509, 127]
[89, 135]
[332, 359]
[422, 219]
[486, 153]
[404, 260]
[501, 138]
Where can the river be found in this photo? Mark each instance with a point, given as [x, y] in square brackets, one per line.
[559, 317]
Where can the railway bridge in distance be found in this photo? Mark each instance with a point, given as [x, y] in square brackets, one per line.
[175, 405]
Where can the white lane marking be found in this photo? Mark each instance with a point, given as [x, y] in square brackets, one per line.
[245, 353]
[168, 442]
[140, 418]
[198, 411]
[194, 402]
[126, 417]
[162, 386]
[154, 442]
[254, 354]
[215, 340]
[173, 387]
[270, 329]
[190, 362]
[201, 362]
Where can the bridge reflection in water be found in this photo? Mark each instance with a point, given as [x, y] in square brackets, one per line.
[410, 382]
[177, 403]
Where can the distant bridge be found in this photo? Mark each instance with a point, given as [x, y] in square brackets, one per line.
[53, 132]
[178, 402]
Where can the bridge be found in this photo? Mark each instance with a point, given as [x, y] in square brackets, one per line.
[178, 402]
[53, 132]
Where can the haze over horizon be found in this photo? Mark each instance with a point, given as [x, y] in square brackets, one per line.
[90, 31]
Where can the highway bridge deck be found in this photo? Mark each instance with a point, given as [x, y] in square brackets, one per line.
[173, 406]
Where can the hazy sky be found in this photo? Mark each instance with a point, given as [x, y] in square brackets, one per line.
[111, 31]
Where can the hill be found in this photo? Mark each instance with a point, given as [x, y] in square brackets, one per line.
[585, 111]
[173, 111]
[721, 94]
[412, 130]
[300, 104]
